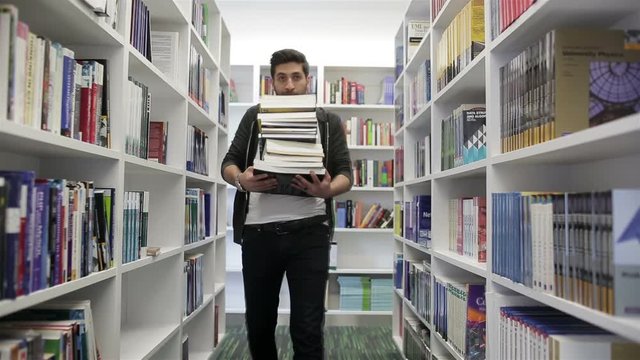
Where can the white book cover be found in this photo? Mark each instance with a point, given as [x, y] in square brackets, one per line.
[164, 52]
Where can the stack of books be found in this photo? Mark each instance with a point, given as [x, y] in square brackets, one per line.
[289, 140]
[355, 293]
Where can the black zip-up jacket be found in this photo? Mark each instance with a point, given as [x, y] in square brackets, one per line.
[243, 149]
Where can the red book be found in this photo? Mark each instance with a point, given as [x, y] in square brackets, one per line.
[482, 228]
[85, 100]
[158, 141]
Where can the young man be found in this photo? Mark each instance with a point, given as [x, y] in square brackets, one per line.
[283, 234]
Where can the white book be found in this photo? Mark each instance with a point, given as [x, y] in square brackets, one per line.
[266, 167]
[277, 157]
[8, 26]
[22, 41]
[293, 148]
[38, 79]
[288, 103]
[164, 52]
[289, 116]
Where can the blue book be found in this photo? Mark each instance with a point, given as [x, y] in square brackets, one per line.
[207, 214]
[423, 222]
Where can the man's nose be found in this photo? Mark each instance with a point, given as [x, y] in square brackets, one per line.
[289, 84]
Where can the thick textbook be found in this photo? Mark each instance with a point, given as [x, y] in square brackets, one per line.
[287, 103]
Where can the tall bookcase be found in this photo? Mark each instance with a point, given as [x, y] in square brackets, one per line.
[360, 252]
[602, 157]
[138, 306]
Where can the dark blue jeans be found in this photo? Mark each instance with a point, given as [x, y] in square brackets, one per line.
[303, 255]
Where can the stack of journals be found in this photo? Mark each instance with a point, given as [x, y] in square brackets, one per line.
[381, 294]
[289, 140]
[355, 293]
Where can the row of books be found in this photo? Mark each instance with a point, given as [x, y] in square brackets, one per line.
[266, 85]
[360, 131]
[372, 173]
[200, 18]
[197, 215]
[422, 157]
[398, 169]
[51, 231]
[464, 136]
[344, 92]
[200, 80]
[140, 35]
[459, 316]
[416, 341]
[533, 332]
[197, 151]
[417, 286]
[461, 42]
[569, 80]
[436, 7]
[578, 246]
[505, 12]
[468, 227]
[399, 60]
[135, 224]
[223, 108]
[59, 329]
[43, 85]
[362, 293]
[415, 216]
[352, 214]
[193, 282]
[137, 119]
[420, 88]
[398, 104]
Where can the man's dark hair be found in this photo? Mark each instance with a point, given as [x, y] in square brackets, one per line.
[288, 55]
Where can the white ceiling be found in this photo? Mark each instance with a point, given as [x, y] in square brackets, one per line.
[331, 31]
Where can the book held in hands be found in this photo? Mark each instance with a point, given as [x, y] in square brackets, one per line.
[289, 141]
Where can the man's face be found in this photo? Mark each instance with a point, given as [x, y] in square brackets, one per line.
[289, 79]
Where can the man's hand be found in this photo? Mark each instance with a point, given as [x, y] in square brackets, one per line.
[256, 183]
[315, 187]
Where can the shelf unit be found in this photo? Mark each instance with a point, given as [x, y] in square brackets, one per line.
[137, 307]
[582, 161]
[360, 251]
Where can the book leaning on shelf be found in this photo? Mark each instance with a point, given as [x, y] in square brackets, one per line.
[289, 142]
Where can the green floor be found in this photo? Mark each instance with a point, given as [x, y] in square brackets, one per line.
[341, 343]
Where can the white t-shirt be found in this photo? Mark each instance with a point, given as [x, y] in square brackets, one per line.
[265, 208]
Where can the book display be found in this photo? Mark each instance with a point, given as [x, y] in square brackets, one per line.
[516, 189]
[109, 132]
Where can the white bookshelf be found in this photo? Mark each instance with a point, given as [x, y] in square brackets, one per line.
[360, 251]
[138, 306]
[602, 157]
